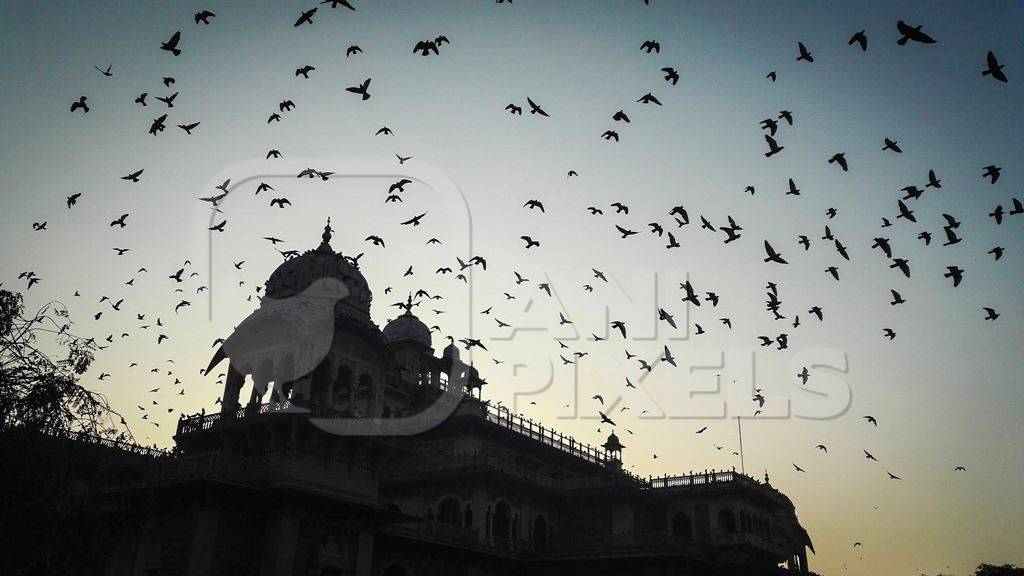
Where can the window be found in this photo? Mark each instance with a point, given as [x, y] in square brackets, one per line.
[681, 526]
[448, 511]
[540, 532]
[727, 521]
[502, 520]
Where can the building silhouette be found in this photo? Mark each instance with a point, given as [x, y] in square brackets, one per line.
[343, 449]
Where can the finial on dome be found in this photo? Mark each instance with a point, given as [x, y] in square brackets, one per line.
[326, 244]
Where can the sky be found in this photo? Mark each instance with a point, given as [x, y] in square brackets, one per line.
[946, 391]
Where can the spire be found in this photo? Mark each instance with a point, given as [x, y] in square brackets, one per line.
[325, 246]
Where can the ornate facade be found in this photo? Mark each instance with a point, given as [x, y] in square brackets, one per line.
[341, 448]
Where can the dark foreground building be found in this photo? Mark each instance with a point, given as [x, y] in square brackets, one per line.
[381, 459]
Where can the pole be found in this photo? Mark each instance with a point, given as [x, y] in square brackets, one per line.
[739, 427]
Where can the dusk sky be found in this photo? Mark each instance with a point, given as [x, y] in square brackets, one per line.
[946, 391]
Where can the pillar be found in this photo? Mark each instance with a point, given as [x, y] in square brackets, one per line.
[204, 537]
[279, 542]
[364, 554]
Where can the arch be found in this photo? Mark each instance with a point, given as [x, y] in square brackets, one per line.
[343, 382]
[467, 516]
[681, 525]
[501, 521]
[727, 521]
[448, 511]
[540, 532]
[395, 570]
[320, 383]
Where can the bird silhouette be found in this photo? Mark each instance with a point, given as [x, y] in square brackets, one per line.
[914, 33]
[994, 69]
[861, 39]
[172, 44]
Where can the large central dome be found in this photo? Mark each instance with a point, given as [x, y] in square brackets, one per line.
[296, 274]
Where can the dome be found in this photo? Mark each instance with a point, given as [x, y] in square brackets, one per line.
[450, 352]
[407, 327]
[296, 275]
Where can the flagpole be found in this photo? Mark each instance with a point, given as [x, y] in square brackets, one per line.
[739, 427]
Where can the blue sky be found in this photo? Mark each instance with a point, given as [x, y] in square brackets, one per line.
[946, 391]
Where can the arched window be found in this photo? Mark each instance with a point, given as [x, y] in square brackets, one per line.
[681, 526]
[396, 570]
[502, 520]
[540, 532]
[727, 521]
[467, 516]
[448, 511]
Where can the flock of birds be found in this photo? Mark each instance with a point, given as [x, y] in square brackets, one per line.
[676, 221]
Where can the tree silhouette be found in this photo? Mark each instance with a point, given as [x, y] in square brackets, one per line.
[39, 393]
[993, 570]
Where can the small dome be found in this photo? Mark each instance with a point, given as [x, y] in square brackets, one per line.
[613, 444]
[296, 275]
[450, 353]
[407, 327]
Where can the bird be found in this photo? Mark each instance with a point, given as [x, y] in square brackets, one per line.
[804, 53]
[353, 49]
[772, 255]
[168, 100]
[799, 469]
[990, 314]
[822, 448]
[120, 221]
[905, 212]
[133, 177]
[535, 109]
[80, 104]
[902, 264]
[610, 135]
[896, 298]
[73, 199]
[669, 358]
[620, 116]
[870, 456]
[530, 242]
[204, 17]
[157, 125]
[649, 98]
[773, 146]
[955, 273]
[992, 172]
[188, 128]
[651, 46]
[305, 18]
[860, 39]
[107, 72]
[670, 76]
[892, 145]
[914, 33]
[361, 89]
[839, 159]
[995, 69]
[871, 419]
[336, 3]
[172, 44]
[513, 109]
[803, 375]
[415, 220]
[625, 233]
[425, 47]
[280, 202]
[403, 159]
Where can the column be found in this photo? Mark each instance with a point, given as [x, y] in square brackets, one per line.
[204, 538]
[279, 542]
[364, 555]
